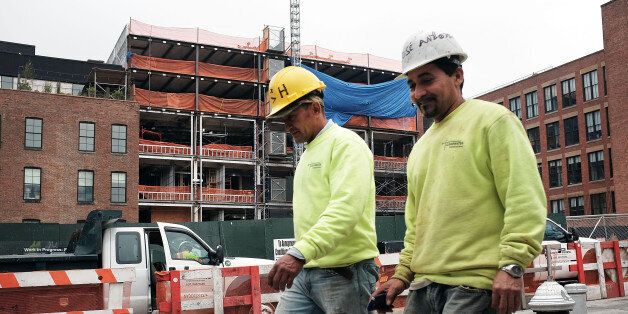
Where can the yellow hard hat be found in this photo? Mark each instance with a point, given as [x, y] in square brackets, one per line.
[288, 85]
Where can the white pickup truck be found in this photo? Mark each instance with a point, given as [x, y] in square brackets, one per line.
[105, 243]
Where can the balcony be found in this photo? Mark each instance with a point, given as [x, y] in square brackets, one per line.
[163, 148]
[227, 151]
[165, 193]
[214, 195]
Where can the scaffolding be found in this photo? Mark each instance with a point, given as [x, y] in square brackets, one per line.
[206, 151]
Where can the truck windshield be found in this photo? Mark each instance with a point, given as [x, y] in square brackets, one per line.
[554, 232]
[185, 247]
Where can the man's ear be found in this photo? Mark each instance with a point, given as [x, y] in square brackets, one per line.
[459, 76]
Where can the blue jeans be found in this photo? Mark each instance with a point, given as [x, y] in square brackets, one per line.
[439, 298]
[320, 290]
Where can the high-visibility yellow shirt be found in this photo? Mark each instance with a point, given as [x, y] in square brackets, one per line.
[334, 200]
[475, 199]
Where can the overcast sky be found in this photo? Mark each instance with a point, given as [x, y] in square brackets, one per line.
[505, 40]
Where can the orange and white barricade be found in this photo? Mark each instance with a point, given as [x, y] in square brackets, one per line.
[603, 267]
[81, 291]
[218, 290]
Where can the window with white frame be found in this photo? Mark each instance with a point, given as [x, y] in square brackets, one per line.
[85, 189]
[87, 136]
[32, 184]
[118, 187]
[118, 138]
[33, 133]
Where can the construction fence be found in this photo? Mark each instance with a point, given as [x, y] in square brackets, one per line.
[603, 227]
[249, 238]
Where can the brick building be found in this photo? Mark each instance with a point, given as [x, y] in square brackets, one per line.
[63, 156]
[569, 113]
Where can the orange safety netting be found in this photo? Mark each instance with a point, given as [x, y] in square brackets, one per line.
[357, 59]
[149, 142]
[227, 191]
[405, 123]
[164, 189]
[188, 67]
[359, 121]
[195, 35]
[390, 198]
[387, 158]
[246, 107]
[227, 151]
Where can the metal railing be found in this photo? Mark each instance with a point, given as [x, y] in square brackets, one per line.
[228, 198]
[607, 227]
[390, 202]
[226, 153]
[165, 149]
[390, 165]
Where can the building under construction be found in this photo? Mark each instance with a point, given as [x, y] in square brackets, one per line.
[205, 150]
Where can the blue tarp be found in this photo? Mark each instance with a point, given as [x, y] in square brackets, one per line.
[385, 100]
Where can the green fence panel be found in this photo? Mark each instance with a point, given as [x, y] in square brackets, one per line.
[243, 238]
[386, 228]
[209, 231]
[277, 228]
[400, 227]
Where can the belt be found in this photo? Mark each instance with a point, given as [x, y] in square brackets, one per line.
[345, 272]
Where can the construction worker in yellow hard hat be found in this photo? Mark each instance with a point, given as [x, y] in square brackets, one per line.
[330, 268]
[475, 211]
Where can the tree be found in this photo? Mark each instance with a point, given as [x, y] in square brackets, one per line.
[26, 76]
[47, 88]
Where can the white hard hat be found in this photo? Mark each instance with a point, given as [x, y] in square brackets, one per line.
[424, 47]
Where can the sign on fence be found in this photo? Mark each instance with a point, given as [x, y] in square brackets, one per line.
[281, 246]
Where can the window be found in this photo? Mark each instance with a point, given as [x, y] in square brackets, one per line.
[610, 161]
[551, 100]
[515, 106]
[186, 247]
[571, 131]
[608, 122]
[553, 135]
[85, 191]
[589, 82]
[118, 187]
[574, 171]
[32, 184]
[33, 133]
[7, 82]
[569, 92]
[86, 136]
[532, 105]
[118, 138]
[596, 166]
[598, 204]
[604, 78]
[557, 206]
[540, 168]
[576, 206]
[555, 173]
[594, 125]
[535, 139]
[128, 248]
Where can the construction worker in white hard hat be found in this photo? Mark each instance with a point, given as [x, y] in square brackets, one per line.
[330, 268]
[475, 212]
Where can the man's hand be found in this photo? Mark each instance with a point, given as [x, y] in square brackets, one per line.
[506, 293]
[284, 271]
[392, 287]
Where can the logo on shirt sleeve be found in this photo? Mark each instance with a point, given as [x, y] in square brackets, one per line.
[314, 165]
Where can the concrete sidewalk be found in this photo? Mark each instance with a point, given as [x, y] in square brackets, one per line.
[606, 306]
